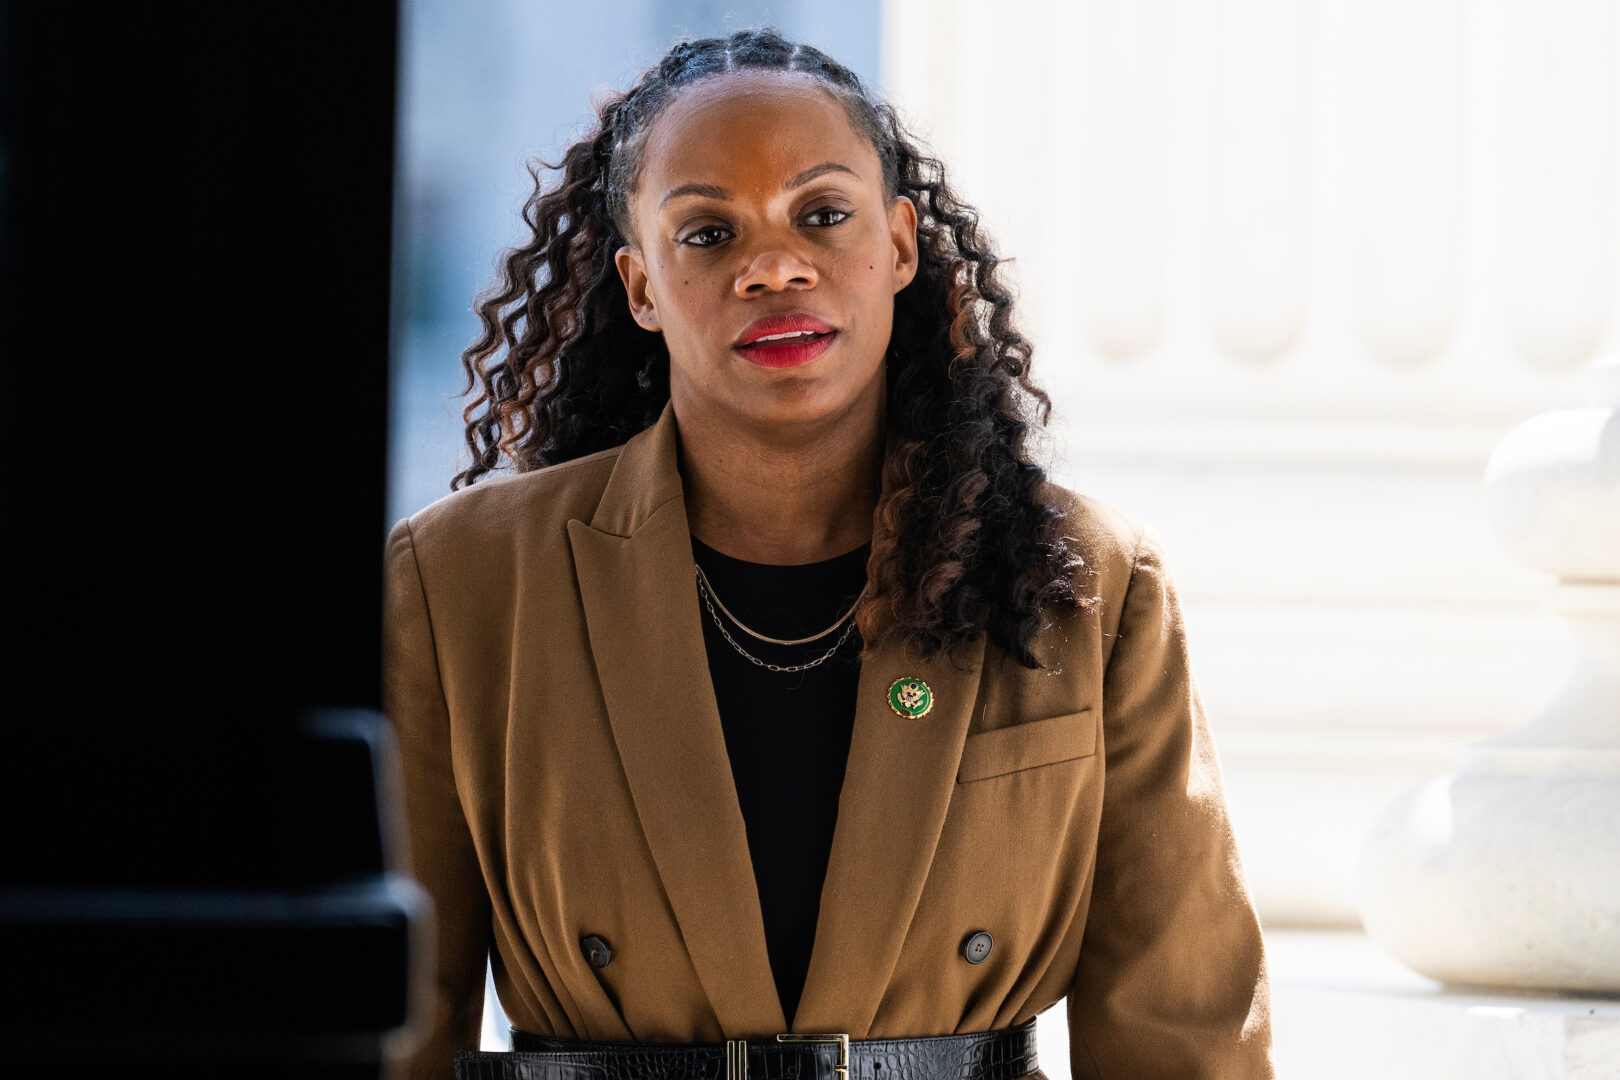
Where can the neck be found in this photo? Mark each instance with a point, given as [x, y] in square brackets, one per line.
[770, 494]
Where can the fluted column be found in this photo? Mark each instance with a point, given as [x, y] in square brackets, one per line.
[1507, 872]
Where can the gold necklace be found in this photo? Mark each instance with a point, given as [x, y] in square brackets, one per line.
[710, 599]
[709, 586]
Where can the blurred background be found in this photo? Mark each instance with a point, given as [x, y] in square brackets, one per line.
[1293, 270]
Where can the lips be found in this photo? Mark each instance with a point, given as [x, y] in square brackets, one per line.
[782, 341]
[782, 329]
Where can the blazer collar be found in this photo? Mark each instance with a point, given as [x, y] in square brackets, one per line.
[635, 570]
[644, 478]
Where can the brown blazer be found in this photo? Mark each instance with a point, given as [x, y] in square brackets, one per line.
[565, 774]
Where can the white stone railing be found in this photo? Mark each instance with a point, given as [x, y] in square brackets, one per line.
[1506, 872]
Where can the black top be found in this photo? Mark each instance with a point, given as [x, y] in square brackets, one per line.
[787, 733]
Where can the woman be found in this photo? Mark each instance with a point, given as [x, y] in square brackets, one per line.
[776, 689]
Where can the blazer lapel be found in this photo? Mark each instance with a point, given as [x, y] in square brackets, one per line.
[897, 787]
[634, 565]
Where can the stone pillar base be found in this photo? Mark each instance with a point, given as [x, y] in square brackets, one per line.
[1343, 1008]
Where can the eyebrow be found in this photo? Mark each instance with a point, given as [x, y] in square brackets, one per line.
[798, 180]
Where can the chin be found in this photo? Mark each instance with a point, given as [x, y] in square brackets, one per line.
[793, 402]
[785, 397]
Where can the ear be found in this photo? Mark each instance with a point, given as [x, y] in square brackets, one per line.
[634, 275]
[903, 234]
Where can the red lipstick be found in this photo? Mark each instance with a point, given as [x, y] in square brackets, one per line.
[784, 340]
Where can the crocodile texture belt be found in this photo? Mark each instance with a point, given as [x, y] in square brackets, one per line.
[1004, 1054]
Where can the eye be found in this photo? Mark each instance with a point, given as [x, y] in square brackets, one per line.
[706, 236]
[839, 216]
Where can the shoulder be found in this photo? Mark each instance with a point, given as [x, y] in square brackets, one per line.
[1075, 643]
[1126, 582]
[510, 511]
[1123, 576]
[1109, 541]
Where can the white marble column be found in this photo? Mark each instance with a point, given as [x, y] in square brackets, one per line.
[1507, 872]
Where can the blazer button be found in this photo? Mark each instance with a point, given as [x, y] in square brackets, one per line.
[977, 947]
[596, 949]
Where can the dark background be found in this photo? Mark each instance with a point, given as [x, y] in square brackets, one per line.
[196, 209]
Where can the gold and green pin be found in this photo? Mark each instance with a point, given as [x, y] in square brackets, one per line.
[910, 697]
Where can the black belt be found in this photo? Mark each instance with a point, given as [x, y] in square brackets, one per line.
[1003, 1054]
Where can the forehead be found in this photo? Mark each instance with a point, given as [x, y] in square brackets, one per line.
[752, 123]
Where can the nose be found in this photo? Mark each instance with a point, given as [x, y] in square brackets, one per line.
[775, 269]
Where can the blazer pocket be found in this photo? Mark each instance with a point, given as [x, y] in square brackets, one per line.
[1027, 745]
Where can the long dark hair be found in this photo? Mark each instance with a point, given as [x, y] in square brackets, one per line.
[964, 541]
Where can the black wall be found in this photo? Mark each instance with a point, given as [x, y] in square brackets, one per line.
[194, 309]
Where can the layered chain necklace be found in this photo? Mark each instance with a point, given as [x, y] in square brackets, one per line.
[706, 590]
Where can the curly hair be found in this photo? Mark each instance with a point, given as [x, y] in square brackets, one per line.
[963, 542]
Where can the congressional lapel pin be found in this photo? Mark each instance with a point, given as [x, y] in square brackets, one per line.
[910, 697]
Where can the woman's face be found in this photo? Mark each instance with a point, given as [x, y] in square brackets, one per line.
[761, 211]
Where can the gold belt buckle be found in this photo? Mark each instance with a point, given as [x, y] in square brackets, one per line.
[737, 1053]
[736, 1060]
[841, 1038]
